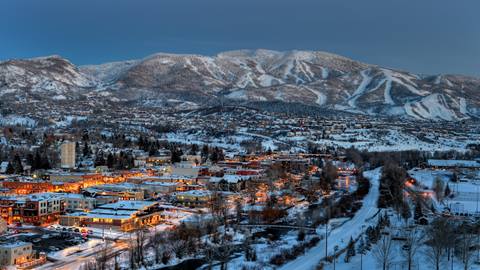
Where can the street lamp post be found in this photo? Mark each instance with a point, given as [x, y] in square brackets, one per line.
[335, 256]
[361, 251]
[361, 260]
[326, 239]
[326, 229]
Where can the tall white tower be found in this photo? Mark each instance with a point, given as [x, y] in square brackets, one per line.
[68, 155]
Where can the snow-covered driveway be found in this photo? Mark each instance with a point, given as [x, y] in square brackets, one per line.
[341, 235]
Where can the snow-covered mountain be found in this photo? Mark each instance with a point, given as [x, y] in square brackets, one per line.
[320, 79]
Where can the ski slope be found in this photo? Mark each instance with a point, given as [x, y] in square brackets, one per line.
[341, 235]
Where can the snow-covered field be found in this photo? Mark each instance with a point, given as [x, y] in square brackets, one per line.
[391, 140]
[465, 198]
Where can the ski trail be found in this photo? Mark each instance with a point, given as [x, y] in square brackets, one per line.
[361, 88]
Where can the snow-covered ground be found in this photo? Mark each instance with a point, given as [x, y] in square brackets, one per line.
[391, 140]
[465, 197]
[341, 235]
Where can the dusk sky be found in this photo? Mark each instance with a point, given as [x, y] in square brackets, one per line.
[428, 36]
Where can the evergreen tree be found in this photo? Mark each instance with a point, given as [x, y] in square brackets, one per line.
[110, 160]
[454, 177]
[418, 210]
[10, 168]
[176, 155]
[405, 212]
[362, 246]
[86, 149]
[373, 234]
[85, 136]
[37, 161]
[17, 164]
[77, 147]
[45, 163]
[447, 191]
[153, 150]
[30, 160]
[194, 149]
[385, 220]
[214, 156]
[99, 159]
[350, 250]
[141, 143]
[205, 153]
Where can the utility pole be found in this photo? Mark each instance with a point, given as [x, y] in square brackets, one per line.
[452, 257]
[335, 256]
[326, 228]
[477, 203]
[478, 242]
[361, 260]
[361, 251]
[326, 239]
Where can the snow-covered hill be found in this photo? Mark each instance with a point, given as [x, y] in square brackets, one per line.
[314, 78]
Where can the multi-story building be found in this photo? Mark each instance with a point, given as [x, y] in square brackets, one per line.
[36, 209]
[67, 155]
[194, 198]
[78, 202]
[73, 182]
[28, 187]
[16, 253]
[122, 215]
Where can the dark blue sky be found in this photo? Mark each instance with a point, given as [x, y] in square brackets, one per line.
[427, 36]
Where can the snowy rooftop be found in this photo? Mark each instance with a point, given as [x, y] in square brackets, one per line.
[453, 163]
[195, 193]
[73, 196]
[128, 205]
[230, 178]
[110, 214]
[160, 184]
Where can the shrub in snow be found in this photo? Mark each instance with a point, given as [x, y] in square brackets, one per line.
[301, 235]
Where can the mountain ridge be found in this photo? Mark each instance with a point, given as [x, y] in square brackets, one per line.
[316, 78]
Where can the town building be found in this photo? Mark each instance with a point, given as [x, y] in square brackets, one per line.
[16, 253]
[36, 209]
[78, 202]
[122, 216]
[67, 155]
[194, 198]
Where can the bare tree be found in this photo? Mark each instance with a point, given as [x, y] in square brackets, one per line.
[238, 210]
[223, 253]
[383, 251]
[438, 236]
[438, 187]
[414, 239]
[178, 248]
[89, 265]
[252, 189]
[101, 258]
[464, 244]
[209, 255]
[116, 265]
[132, 254]
[157, 244]
[218, 207]
[140, 239]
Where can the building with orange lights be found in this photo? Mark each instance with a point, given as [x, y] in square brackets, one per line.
[36, 209]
